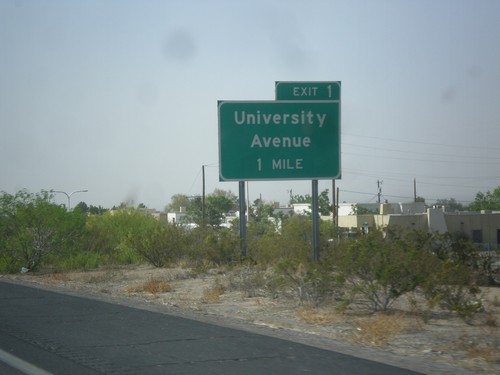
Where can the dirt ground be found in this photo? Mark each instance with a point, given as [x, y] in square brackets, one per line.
[434, 342]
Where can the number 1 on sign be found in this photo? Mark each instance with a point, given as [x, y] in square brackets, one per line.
[329, 91]
[259, 164]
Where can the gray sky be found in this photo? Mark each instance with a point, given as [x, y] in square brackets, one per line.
[120, 96]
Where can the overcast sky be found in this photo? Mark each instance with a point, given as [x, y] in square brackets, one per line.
[120, 96]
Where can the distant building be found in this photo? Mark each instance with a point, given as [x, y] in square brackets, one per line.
[286, 211]
[179, 217]
[346, 209]
[480, 227]
[302, 208]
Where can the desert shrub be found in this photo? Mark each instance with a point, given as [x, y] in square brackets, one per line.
[8, 264]
[312, 283]
[109, 233]
[221, 246]
[381, 328]
[451, 286]
[32, 228]
[381, 266]
[297, 238]
[124, 255]
[265, 248]
[246, 279]
[154, 286]
[381, 269]
[157, 242]
[313, 315]
[212, 246]
[82, 260]
[213, 294]
[269, 243]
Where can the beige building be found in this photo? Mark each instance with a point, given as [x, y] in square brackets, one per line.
[479, 227]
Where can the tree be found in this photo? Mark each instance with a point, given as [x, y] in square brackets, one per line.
[177, 201]
[93, 210]
[450, 204]
[325, 208]
[82, 206]
[97, 210]
[301, 199]
[217, 205]
[486, 201]
[260, 211]
[33, 227]
[324, 205]
[360, 210]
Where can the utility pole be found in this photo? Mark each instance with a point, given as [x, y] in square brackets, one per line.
[203, 196]
[379, 194]
[414, 189]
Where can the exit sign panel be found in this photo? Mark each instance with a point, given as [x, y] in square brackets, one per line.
[278, 140]
[307, 90]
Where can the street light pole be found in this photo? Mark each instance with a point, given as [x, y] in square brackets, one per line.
[69, 195]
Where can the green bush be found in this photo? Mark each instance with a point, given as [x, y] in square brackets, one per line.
[9, 264]
[32, 228]
[157, 242]
[311, 282]
[381, 269]
[83, 260]
[452, 286]
[213, 246]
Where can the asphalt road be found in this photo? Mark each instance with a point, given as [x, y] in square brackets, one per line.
[43, 333]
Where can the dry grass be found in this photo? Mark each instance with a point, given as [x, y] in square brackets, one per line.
[495, 302]
[153, 286]
[484, 347]
[213, 294]
[381, 328]
[491, 320]
[487, 354]
[90, 277]
[58, 277]
[312, 315]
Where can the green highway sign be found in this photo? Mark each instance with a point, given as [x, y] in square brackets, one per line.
[307, 90]
[279, 140]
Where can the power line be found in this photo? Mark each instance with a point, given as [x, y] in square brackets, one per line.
[422, 153]
[421, 182]
[397, 196]
[420, 160]
[373, 173]
[419, 142]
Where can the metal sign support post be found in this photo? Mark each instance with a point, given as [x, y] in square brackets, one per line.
[243, 220]
[315, 217]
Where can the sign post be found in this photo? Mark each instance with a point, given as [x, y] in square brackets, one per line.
[310, 90]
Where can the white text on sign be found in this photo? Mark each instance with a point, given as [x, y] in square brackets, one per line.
[258, 118]
[305, 91]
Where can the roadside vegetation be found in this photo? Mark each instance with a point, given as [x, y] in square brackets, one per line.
[373, 270]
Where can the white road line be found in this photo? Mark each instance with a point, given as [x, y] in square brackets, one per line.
[21, 365]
